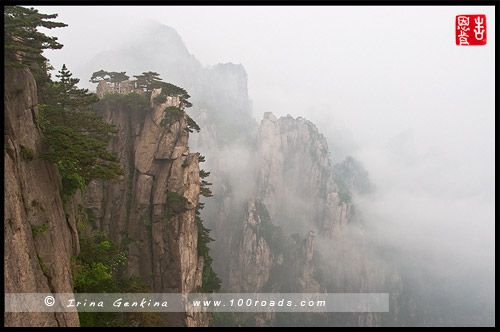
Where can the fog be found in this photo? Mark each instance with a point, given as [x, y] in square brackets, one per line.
[387, 85]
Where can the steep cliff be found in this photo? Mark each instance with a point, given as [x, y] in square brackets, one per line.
[38, 239]
[295, 177]
[250, 264]
[282, 214]
[288, 175]
[153, 209]
[291, 226]
[219, 90]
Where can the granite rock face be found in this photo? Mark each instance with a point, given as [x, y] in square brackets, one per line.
[295, 177]
[250, 264]
[39, 241]
[153, 208]
[311, 200]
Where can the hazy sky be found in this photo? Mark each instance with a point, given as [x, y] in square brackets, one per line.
[397, 65]
[420, 108]
[387, 74]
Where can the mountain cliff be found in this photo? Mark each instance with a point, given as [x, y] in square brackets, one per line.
[39, 239]
[153, 210]
[283, 215]
[292, 226]
[151, 214]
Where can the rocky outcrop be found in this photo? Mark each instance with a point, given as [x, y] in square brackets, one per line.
[284, 164]
[251, 261]
[38, 239]
[303, 265]
[295, 177]
[336, 214]
[153, 209]
[302, 193]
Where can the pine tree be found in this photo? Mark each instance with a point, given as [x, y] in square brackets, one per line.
[24, 44]
[148, 81]
[77, 137]
[66, 94]
[114, 77]
[169, 89]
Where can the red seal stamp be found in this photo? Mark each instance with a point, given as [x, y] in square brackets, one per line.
[470, 30]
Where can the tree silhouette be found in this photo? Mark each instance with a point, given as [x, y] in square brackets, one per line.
[24, 44]
[114, 77]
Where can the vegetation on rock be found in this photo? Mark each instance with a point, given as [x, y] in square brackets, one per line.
[23, 42]
[100, 268]
[77, 141]
[210, 280]
[77, 137]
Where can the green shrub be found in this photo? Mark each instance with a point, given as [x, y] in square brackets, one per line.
[204, 190]
[272, 234]
[160, 99]
[204, 174]
[71, 181]
[176, 203]
[93, 277]
[210, 280]
[192, 125]
[130, 102]
[99, 268]
[171, 114]
[40, 229]
[27, 154]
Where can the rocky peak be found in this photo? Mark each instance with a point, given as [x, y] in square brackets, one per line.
[294, 172]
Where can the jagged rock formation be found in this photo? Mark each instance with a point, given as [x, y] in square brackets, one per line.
[295, 177]
[153, 209]
[303, 265]
[38, 239]
[295, 184]
[302, 193]
[282, 165]
[250, 264]
[219, 90]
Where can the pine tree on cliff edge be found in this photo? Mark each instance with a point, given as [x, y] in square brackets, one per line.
[23, 43]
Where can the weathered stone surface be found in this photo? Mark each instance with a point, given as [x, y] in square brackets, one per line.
[295, 173]
[336, 214]
[302, 191]
[104, 87]
[304, 267]
[251, 262]
[38, 239]
[163, 238]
